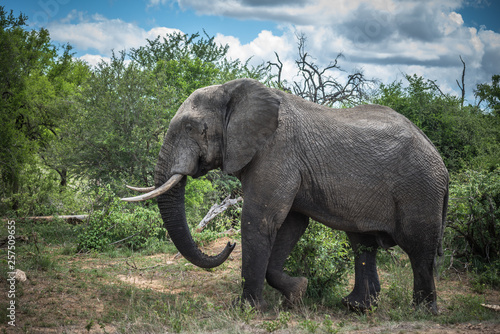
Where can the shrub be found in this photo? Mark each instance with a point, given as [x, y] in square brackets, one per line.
[323, 256]
[41, 194]
[473, 218]
[198, 199]
[120, 223]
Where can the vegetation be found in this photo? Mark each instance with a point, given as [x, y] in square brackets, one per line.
[144, 291]
[72, 135]
[135, 228]
[324, 256]
[37, 86]
[474, 223]
[465, 136]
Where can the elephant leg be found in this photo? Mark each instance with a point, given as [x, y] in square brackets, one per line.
[422, 249]
[259, 227]
[366, 282]
[424, 289]
[421, 241]
[293, 288]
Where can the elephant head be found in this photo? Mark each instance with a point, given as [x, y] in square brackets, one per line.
[220, 126]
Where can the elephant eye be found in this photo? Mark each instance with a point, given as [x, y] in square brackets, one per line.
[188, 127]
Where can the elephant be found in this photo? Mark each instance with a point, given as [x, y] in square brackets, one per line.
[366, 170]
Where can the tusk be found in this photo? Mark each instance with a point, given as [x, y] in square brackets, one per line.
[141, 190]
[158, 191]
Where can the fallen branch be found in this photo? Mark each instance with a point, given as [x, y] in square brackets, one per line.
[215, 210]
[71, 218]
[492, 307]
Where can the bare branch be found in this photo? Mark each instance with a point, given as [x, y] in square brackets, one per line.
[279, 65]
[434, 84]
[462, 87]
[318, 84]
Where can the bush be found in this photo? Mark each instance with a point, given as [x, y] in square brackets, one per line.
[473, 220]
[323, 256]
[41, 194]
[117, 223]
[198, 199]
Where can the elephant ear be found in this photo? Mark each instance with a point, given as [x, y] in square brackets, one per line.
[251, 118]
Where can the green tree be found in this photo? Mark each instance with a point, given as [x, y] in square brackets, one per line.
[126, 106]
[36, 86]
[490, 94]
[177, 46]
[182, 63]
[117, 124]
[463, 135]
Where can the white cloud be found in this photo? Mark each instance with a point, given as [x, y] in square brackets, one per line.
[300, 12]
[154, 3]
[93, 60]
[102, 34]
[262, 48]
[453, 22]
[383, 37]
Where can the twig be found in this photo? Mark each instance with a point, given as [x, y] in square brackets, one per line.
[134, 266]
[115, 242]
[110, 228]
[35, 241]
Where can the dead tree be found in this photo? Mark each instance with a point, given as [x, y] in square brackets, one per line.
[318, 84]
[462, 87]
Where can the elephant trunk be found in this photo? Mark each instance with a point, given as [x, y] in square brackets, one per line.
[172, 210]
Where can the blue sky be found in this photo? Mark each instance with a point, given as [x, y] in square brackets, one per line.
[479, 13]
[384, 38]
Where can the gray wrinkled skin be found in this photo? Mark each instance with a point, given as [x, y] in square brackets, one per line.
[367, 171]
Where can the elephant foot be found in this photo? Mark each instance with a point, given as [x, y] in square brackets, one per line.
[428, 304]
[430, 307]
[296, 291]
[259, 305]
[433, 308]
[360, 302]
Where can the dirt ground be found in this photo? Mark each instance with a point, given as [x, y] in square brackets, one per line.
[61, 302]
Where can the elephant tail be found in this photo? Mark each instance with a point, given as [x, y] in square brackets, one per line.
[443, 221]
[440, 252]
